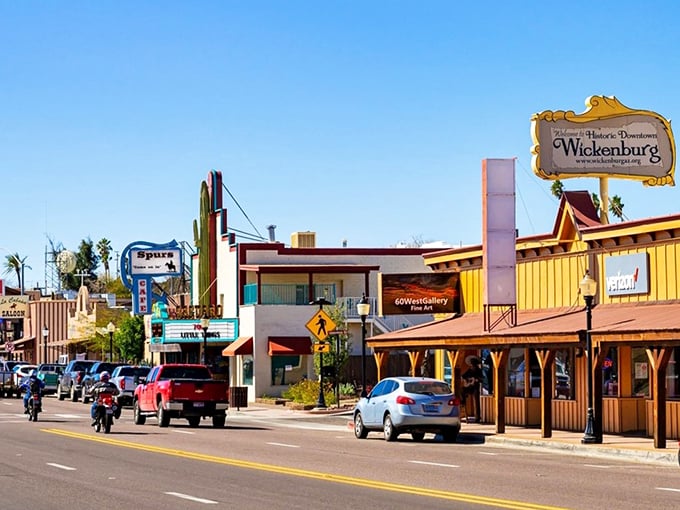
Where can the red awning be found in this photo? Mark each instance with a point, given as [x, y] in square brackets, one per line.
[242, 345]
[289, 345]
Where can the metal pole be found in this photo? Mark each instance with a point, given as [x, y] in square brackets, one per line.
[589, 434]
[110, 346]
[321, 400]
[364, 393]
[205, 346]
[45, 348]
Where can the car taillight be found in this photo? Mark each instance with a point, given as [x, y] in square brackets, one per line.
[455, 401]
[407, 401]
[79, 377]
[122, 384]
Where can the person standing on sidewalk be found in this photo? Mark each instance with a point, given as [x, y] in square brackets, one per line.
[472, 387]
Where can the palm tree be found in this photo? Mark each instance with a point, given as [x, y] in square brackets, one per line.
[616, 207]
[104, 250]
[14, 262]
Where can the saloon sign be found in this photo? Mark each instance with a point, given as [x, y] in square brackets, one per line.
[13, 307]
[607, 140]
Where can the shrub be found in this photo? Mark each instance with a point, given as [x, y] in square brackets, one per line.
[347, 390]
[307, 392]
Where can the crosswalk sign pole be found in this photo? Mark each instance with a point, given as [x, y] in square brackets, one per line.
[321, 401]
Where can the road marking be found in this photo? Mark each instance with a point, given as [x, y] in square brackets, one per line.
[305, 473]
[488, 453]
[192, 498]
[284, 445]
[61, 466]
[184, 432]
[667, 489]
[599, 466]
[73, 416]
[432, 463]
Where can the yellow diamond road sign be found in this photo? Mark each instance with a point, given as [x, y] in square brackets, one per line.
[320, 325]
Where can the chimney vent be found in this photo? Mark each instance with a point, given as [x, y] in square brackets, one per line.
[272, 233]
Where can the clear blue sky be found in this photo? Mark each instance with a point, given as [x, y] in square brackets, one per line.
[359, 120]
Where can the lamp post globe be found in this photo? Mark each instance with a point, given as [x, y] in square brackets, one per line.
[588, 288]
[363, 309]
[111, 328]
[205, 323]
[45, 335]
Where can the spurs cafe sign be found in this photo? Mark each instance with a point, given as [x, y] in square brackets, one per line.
[607, 140]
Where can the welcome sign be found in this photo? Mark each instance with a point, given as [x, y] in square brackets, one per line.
[607, 140]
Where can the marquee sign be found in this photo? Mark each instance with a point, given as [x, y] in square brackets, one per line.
[607, 140]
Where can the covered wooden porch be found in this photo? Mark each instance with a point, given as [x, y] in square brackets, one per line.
[652, 326]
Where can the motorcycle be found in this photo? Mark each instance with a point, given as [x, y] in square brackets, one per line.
[34, 406]
[107, 409]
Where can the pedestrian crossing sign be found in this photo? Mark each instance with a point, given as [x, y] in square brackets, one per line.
[320, 325]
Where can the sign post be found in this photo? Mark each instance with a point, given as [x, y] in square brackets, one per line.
[320, 325]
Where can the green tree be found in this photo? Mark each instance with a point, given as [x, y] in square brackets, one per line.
[128, 339]
[557, 188]
[596, 201]
[16, 263]
[87, 262]
[104, 251]
[336, 358]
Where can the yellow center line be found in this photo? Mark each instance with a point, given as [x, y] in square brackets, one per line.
[348, 480]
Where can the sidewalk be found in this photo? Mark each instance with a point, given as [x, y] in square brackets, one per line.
[627, 448]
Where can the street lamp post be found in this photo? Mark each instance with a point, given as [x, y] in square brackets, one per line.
[111, 327]
[363, 309]
[205, 323]
[45, 334]
[588, 288]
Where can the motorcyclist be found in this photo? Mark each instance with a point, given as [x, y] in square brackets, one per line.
[104, 385]
[29, 384]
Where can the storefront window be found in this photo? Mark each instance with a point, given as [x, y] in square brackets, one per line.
[247, 375]
[287, 370]
[610, 373]
[487, 370]
[640, 373]
[516, 370]
[673, 375]
[564, 374]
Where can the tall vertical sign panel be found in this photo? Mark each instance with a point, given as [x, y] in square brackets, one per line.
[498, 231]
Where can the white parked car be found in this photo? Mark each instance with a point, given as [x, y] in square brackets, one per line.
[21, 371]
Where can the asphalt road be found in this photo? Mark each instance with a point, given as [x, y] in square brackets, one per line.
[259, 461]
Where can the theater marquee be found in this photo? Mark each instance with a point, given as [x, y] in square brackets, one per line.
[607, 140]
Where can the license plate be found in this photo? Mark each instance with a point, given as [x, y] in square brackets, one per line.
[199, 404]
[430, 408]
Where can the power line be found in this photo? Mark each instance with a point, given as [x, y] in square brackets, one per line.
[241, 209]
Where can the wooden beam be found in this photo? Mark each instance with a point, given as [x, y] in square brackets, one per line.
[381, 358]
[545, 362]
[500, 361]
[454, 356]
[416, 358]
[659, 358]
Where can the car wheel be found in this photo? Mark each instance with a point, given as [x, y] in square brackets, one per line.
[194, 421]
[163, 416]
[219, 420]
[139, 418]
[83, 397]
[418, 436]
[450, 434]
[359, 430]
[60, 394]
[74, 395]
[389, 429]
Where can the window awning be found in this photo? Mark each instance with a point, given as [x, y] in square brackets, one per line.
[242, 345]
[289, 345]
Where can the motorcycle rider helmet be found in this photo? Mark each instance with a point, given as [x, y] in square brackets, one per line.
[104, 376]
[33, 373]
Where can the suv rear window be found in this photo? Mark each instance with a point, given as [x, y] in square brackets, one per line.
[427, 388]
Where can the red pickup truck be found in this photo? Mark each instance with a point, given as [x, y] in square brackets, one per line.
[181, 391]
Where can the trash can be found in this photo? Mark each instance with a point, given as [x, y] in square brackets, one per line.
[238, 396]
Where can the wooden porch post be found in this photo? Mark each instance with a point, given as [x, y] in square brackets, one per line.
[381, 358]
[545, 362]
[500, 360]
[454, 355]
[416, 358]
[658, 358]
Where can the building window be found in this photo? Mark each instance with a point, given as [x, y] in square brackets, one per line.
[247, 373]
[564, 374]
[640, 373]
[610, 373]
[673, 375]
[516, 371]
[287, 370]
